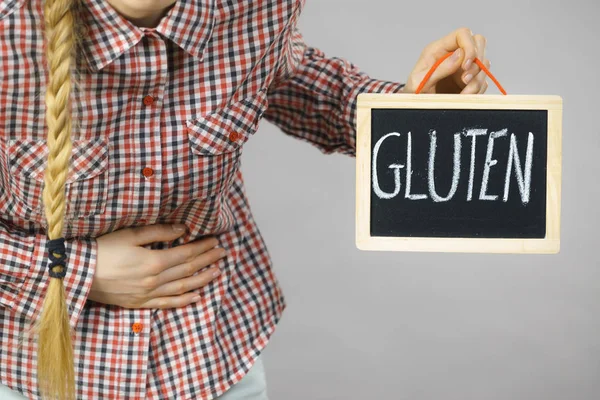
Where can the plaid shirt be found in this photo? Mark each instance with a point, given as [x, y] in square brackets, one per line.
[160, 120]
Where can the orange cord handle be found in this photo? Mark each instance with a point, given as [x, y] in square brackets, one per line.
[441, 60]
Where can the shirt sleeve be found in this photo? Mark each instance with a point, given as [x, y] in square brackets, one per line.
[24, 271]
[313, 97]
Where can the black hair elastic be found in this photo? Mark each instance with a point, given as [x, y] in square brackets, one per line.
[57, 246]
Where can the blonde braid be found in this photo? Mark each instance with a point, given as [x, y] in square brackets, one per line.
[55, 368]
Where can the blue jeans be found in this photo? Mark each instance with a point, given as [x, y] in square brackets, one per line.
[253, 386]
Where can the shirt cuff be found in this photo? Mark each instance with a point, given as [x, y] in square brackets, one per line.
[81, 255]
[367, 85]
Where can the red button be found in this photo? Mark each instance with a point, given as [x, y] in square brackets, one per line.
[148, 100]
[148, 172]
[234, 136]
[137, 327]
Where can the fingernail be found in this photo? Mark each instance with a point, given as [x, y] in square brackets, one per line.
[216, 272]
[468, 78]
[468, 64]
[456, 55]
[195, 298]
[222, 252]
[178, 227]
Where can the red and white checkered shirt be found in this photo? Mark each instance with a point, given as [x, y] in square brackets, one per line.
[160, 120]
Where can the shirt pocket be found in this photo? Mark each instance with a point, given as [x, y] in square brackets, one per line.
[86, 187]
[17, 256]
[216, 140]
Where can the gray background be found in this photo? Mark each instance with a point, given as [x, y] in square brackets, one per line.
[391, 325]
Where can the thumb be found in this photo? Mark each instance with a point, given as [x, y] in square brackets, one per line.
[447, 68]
[142, 235]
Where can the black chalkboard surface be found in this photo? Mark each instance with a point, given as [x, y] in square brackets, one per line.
[497, 193]
[458, 173]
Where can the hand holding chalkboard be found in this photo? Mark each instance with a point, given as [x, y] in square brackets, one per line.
[446, 172]
[460, 65]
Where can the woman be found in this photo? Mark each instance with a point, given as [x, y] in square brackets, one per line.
[146, 110]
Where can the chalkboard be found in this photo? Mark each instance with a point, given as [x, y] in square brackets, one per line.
[458, 173]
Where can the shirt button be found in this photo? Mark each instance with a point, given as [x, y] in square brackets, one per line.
[148, 100]
[234, 136]
[148, 31]
[137, 328]
[148, 172]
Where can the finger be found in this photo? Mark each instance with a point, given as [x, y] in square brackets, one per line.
[474, 69]
[170, 257]
[484, 85]
[475, 85]
[185, 285]
[190, 268]
[461, 38]
[172, 301]
[141, 235]
[447, 68]
[484, 88]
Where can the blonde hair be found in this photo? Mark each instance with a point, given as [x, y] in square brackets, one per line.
[55, 364]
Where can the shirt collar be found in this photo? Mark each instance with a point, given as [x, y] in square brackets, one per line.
[107, 34]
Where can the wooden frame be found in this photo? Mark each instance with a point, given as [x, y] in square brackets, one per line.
[549, 244]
